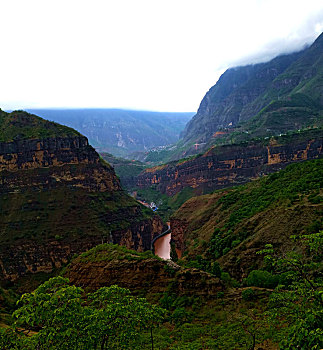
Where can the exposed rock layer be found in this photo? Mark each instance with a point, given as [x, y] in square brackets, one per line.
[229, 165]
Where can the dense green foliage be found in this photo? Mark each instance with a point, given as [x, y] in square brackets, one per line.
[285, 186]
[298, 304]
[263, 279]
[20, 125]
[61, 316]
[302, 181]
[207, 265]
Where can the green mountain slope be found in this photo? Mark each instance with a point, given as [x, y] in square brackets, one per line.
[230, 226]
[21, 125]
[126, 170]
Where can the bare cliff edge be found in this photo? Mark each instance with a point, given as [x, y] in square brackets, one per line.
[58, 198]
[231, 165]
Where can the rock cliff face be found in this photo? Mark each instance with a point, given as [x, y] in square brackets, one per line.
[58, 198]
[39, 153]
[231, 165]
[69, 161]
[44, 255]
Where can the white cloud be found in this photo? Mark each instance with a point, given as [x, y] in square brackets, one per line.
[144, 54]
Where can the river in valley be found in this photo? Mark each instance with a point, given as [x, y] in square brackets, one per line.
[162, 246]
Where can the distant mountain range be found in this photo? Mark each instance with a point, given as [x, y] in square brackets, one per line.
[121, 132]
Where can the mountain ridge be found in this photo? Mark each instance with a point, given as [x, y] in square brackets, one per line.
[243, 93]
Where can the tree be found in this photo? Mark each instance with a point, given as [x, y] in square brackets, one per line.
[61, 316]
[253, 325]
[297, 305]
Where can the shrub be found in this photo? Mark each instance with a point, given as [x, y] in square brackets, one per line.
[226, 250]
[180, 315]
[248, 294]
[216, 269]
[235, 243]
[262, 279]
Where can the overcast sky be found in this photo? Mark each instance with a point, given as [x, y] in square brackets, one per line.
[144, 54]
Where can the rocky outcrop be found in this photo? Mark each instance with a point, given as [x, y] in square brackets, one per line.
[231, 165]
[179, 229]
[39, 153]
[144, 277]
[91, 177]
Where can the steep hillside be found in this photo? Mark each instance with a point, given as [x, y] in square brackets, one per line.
[230, 226]
[231, 96]
[121, 132]
[57, 198]
[261, 100]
